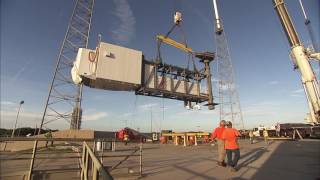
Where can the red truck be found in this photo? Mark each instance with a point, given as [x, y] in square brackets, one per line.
[131, 134]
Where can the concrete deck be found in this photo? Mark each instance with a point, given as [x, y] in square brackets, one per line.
[279, 160]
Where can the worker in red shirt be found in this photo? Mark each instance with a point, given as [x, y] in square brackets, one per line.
[217, 134]
[231, 145]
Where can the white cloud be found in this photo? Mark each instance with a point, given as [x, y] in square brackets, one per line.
[260, 109]
[273, 82]
[7, 103]
[22, 114]
[297, 93]
[147, 107]
[126, 28]
[26, 118]
[198, 112]
[126, 114]
[94, 116]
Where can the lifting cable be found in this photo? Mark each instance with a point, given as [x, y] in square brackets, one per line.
[184, 40]
[133, 114]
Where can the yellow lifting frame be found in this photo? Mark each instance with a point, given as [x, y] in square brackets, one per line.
[174, 43]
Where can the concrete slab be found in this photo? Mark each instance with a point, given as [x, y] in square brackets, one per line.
[278, 160]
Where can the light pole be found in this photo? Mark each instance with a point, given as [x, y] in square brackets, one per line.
[151, 119]
[15, 125]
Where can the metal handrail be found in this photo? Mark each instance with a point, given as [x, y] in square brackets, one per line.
[3, 139]
[97, 168]
[94, 171]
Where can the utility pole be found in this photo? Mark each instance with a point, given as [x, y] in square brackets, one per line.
[15, 124]
[64, 97]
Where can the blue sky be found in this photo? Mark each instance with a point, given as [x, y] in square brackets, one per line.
[270, 91]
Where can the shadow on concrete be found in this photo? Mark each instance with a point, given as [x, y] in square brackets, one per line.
[177, 162]
[254, 155]
[132, 149]
[292, 160]
[59, 173]
[40, 175]
[196, 174]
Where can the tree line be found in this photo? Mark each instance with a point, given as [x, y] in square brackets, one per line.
[24, 131]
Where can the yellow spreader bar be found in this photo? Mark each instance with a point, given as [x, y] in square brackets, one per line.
[174, 43]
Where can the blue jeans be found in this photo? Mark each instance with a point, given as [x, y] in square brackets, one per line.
[233, 160]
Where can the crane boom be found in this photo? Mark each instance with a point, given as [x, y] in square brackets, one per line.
[218, 24]
[298, 51]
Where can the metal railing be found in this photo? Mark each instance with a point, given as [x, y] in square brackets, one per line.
[32, 159]
[89, 164]
[96, 167]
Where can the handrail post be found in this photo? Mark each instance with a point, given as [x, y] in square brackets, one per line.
[96, 168]
[32, 159]
[113, 146]
[102, 151]
[87, 164]
[83, 162]
[140, 158]
[94, 173]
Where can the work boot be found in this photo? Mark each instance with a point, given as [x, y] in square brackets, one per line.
[223, 164]
[233, 169]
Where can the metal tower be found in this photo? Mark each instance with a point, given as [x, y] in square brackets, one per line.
[64, 98]
[230, 109]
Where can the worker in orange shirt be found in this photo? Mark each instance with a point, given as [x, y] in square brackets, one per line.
[231, 145]
[217, 134]
[126, 138]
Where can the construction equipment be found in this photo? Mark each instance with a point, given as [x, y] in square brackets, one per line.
[218, 24]
[112, 67]
[131, 134]
[301, 57]
[307, 22]
[315, 46]
[229, 103]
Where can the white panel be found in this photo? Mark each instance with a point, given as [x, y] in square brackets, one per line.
[119, 64]
[148, 71]
[168, 84]
[86, 68]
